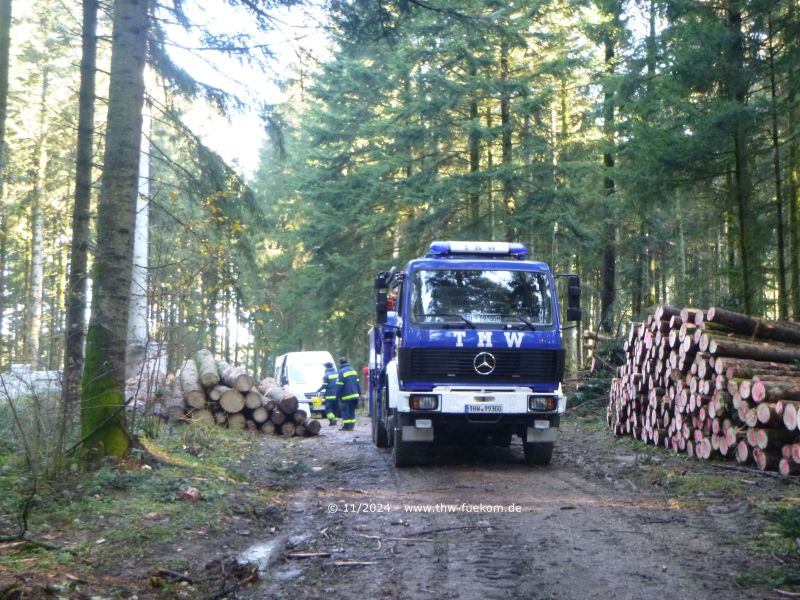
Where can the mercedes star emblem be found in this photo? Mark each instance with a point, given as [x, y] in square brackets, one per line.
[484, 363]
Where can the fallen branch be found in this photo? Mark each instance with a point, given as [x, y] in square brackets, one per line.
[304, 555]
[169, 573]
[393, 539]
[465, 528]
[13, 543]
[8, 547]
[794, 480]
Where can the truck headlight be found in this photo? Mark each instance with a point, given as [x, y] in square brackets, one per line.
[542, 403]
[423, 402]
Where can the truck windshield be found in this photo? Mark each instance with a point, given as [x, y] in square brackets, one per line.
[470, 297]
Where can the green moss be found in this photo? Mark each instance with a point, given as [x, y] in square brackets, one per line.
[782, 577]
[102, 402]
[784, 519]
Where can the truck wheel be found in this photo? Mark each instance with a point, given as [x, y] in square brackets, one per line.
[404, 454]
[380, 435]
[538, 453]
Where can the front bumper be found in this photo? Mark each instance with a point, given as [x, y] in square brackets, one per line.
[453, 419]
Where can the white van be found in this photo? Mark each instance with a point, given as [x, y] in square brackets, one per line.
[301, 373]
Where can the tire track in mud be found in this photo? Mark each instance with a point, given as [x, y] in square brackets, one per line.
[471, 555]
[578, 534]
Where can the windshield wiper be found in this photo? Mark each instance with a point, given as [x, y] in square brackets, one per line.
[469, 323]
[524, 320]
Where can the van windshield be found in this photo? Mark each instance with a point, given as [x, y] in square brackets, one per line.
[306, 374]
[469, 297]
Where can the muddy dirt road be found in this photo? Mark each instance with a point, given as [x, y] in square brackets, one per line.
[479, 523]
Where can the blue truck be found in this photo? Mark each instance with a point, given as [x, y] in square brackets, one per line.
[467, 348]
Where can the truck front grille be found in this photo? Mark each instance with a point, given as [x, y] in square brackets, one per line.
[456, 365]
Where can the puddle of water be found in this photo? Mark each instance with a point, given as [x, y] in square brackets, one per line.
[259, 554]
[287, 575]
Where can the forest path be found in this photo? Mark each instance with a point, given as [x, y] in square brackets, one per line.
[588, 526]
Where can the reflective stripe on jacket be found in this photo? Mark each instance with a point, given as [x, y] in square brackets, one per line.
[329, 387]
[348, 387]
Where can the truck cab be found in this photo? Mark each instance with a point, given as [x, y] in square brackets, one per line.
[467, 347]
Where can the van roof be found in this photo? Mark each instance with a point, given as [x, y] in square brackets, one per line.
[312, 356]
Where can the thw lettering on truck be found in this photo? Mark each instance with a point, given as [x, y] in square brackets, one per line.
[485, 339]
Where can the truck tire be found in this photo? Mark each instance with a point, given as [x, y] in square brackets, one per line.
[404, 454]
[538, 453]
[380, 434]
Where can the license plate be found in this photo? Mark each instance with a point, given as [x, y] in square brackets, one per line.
[483, 408]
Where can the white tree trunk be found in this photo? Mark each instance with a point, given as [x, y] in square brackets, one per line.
[137, 311]
[36, 286]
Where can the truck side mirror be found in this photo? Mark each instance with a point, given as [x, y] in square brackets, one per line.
[382, 280]
[573, 298]
[381, 307]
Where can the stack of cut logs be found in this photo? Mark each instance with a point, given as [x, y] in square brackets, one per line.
[213, 391]
[712, 383]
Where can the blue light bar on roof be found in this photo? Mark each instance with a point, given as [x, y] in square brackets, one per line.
[488, 248]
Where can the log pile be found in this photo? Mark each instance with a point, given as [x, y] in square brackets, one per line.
[712, 383]
[212, 391]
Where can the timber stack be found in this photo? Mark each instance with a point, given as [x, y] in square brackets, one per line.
[213, 391]
[712, 383]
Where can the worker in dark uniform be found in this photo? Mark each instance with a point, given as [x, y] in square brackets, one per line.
[329, 390]
[348, 391]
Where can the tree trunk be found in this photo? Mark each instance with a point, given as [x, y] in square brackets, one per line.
[783, 296]
[253, 399]
[750, 326]
[509, 200]
[638, 292]
[173, 401]
[193, 393]
[235, 377]
[474, 158]
[288, 405]
[33, 325]
[609, 257]
[207, 366]
[137, 311]
[794, 221]
[773, 391]
[215, 393]
[210, 286]
[232, 401]
[682, 295]
[5, 43]
[765, 352]
[103, 395]
[489, 189]
[260, 415]
[737, 91]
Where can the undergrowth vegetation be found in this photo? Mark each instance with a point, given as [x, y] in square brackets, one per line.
[190, 484]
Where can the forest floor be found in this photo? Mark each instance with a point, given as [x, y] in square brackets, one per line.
[330, 517]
